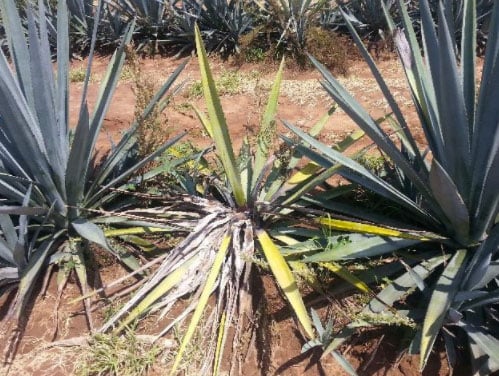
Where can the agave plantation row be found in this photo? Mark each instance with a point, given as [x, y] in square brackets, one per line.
[257, 210]
[253, 28]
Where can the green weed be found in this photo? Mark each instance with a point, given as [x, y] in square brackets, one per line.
[117, 355]
[228, 83]
[77, 74]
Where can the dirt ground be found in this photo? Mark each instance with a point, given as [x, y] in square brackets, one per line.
[302, 102]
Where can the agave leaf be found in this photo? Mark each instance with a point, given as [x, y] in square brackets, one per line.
[350, 211]
[267, 130]
[384, 88]
[450, 201]
[450, 349]
[343, 335]
[344, 273]
[18, 47]
[218, 123]
[80, 159]
[401, 285]
[488, 343]
[345, 364]
[43, 89]
[137, 241]
[146, 229]
[484, 298]
[91, 232]
[370, 126]
[8, 230]
[125, 256]
[6, 253]
[352, 226]
[204, 121]
[218, 351]
[80, 151]
[304, 173]
[20, 132]
[285, 280]
[314, 131]
[452, 111]
[485, 153]
[421, 87]
[8, 274]
[22, 210]
[468, 61]
[203, 300]
[30, 275]
[375, 183]
[415, 276]
[312, 183]
[81, 272]
[395, 291]
[441, 299]
[361, 246]
[481, 260]
[62, 97]
[156, 293]
[306, 179]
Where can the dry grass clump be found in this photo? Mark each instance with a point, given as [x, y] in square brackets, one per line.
[153, 130]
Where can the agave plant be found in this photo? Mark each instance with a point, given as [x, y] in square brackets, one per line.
[152, 21]
[240, 216]
[293, 20]
[49, 169]
[367, 16]
[450, 192]
[221, 22]
[456, 8]
[81, 24]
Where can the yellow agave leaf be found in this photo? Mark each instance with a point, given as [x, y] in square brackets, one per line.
[344, 273]
[351, 226]
[132, 231]
[204, 121]
[166, 285]
[218, 123]
[285, 279]
[200, 189]
[218, 351]
[288, 240]
[203, 300]
[349, 140]
[304, 173]
[311, 167]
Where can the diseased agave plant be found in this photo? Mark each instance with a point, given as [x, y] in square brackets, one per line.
[239, 218]
[450, 192]
[49, 169]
